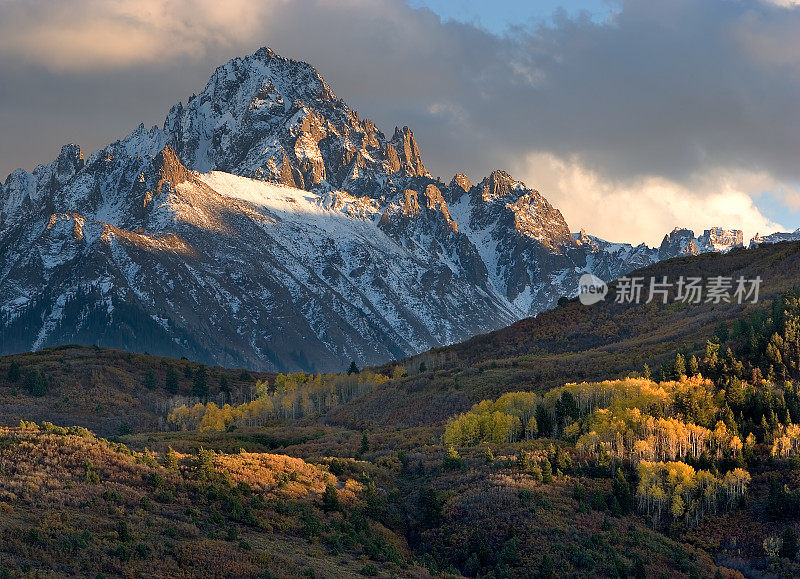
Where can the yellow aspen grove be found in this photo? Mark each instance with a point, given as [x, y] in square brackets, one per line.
[291, 396]
[507, 419]
[786, 441]
[690, 494]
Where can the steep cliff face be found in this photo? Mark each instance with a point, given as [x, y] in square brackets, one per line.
[267, 225]
[678, 242]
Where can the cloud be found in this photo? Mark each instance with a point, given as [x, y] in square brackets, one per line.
[670, 112]
[771, 37]
[785, 3]
[92, 34]
[645, 208]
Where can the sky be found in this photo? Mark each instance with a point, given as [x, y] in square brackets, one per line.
[630, 116]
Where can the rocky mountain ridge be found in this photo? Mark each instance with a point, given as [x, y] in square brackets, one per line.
[267, 225]
[774, 238]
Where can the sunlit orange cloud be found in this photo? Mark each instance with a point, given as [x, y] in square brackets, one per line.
[69, 36]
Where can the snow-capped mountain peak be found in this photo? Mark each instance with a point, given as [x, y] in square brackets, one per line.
[266, 224]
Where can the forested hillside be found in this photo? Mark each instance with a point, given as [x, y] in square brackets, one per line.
[110, 391]
[649, 328]
[610, 440]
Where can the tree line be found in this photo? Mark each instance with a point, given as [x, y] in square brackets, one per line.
[289, 396]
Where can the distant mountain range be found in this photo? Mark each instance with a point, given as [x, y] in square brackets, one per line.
[267, 225]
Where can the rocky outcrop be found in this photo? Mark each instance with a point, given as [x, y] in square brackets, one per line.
[409, 206]
[69, 161]
[171, 171]
[720, 240]
[434, 200]
[677, 243]
[403, 154]
[498, 184]
[681, 242]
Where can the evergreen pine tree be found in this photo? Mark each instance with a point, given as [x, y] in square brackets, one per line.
[353, 369]
[171, 380]
[547, 471]
[36, 383]
[206, 469]
[42, 383]
[680, 366]
[452, 460]
[789, 547]
[694, 366]
[200, 383]
[225, 387]
[544, 421]
[14, 372]
[639, 570]
[330, 499]
[622, 491]
[150, 380]
[523, 461]
[721, 331]
[30, 380]
[171, 459]
[123, 532]
[546, 567]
